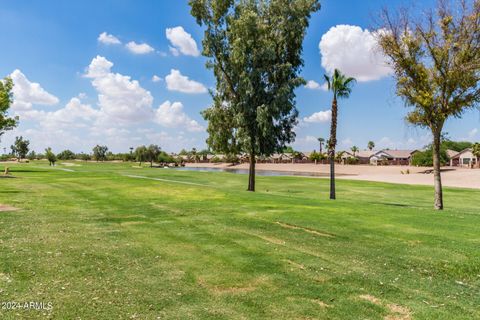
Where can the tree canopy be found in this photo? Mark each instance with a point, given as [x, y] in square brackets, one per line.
[20, 147]
[254, 49]
[100, 153]
[6, 100]
[436, 62]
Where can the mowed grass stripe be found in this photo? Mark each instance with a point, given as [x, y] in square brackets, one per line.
[142, 248]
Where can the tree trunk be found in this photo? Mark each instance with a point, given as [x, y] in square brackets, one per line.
[437, 178]
[151, 163]
[251, 173]
[331, 148]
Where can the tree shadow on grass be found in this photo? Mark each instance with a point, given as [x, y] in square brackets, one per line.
[393, 204]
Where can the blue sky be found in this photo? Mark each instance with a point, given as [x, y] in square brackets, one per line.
[75, 89]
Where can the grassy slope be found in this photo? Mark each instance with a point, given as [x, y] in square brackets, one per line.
[100, 245]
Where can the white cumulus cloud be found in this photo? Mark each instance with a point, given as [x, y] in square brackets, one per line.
[178, 82]
[27, 93]
[313, 85]
[182, 42]
[354, 52]
[171, 115]
[119, 96]
[156, 78]
[106, 38]
[319, 117]
[139, 48]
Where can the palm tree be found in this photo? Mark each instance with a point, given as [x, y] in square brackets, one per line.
[354, 150]
[371, 145]
[321, 141]
[341, 86]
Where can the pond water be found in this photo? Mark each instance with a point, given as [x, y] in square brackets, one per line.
[258, 172]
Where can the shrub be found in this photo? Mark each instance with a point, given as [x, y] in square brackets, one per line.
[216, 159]
[232, 158]
[351, 160]
[425, 158]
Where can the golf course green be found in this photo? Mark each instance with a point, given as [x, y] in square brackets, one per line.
[117, 241]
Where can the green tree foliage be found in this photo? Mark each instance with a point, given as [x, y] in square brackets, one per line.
[288, 149]
[152, 153]
[456, 145]
[425, 158]
[371, 145]
[321, 141]
[436, 61]
[32, 155]
[354, 150]
[51, 157]
[316, 156]
[100, 153]
[254, 49]
[6, 100]
[341, 87]
[66, 155]
[83, 156]
[165, 158]
[20, 147]
[141, 154]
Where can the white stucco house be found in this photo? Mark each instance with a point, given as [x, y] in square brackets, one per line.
[463, 158]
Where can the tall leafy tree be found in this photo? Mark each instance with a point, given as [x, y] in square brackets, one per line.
[66, 155]
[436, 62]
[100, 152]
[371, 145]
[51, 157]
[254, 49]
[6, 100]
[341, 87]
[20, 147]
[152, 153]
[141, 154]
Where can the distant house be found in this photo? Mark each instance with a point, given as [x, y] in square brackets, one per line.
[364, 156]
[463, 158]
[392, 157]
[451, 153]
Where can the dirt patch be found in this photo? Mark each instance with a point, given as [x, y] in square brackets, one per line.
[131, 223]
[298, 265]
[398, 312]
[219, 290]
[69, 164]
[271, 239]
[321, 303]
[4, 207]
[370, 298]
[312, 231]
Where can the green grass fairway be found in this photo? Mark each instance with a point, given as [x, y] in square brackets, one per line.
[111, 241]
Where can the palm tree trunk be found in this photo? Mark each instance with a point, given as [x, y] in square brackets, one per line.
[437, 178]
[251, 173]
[331, 148]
